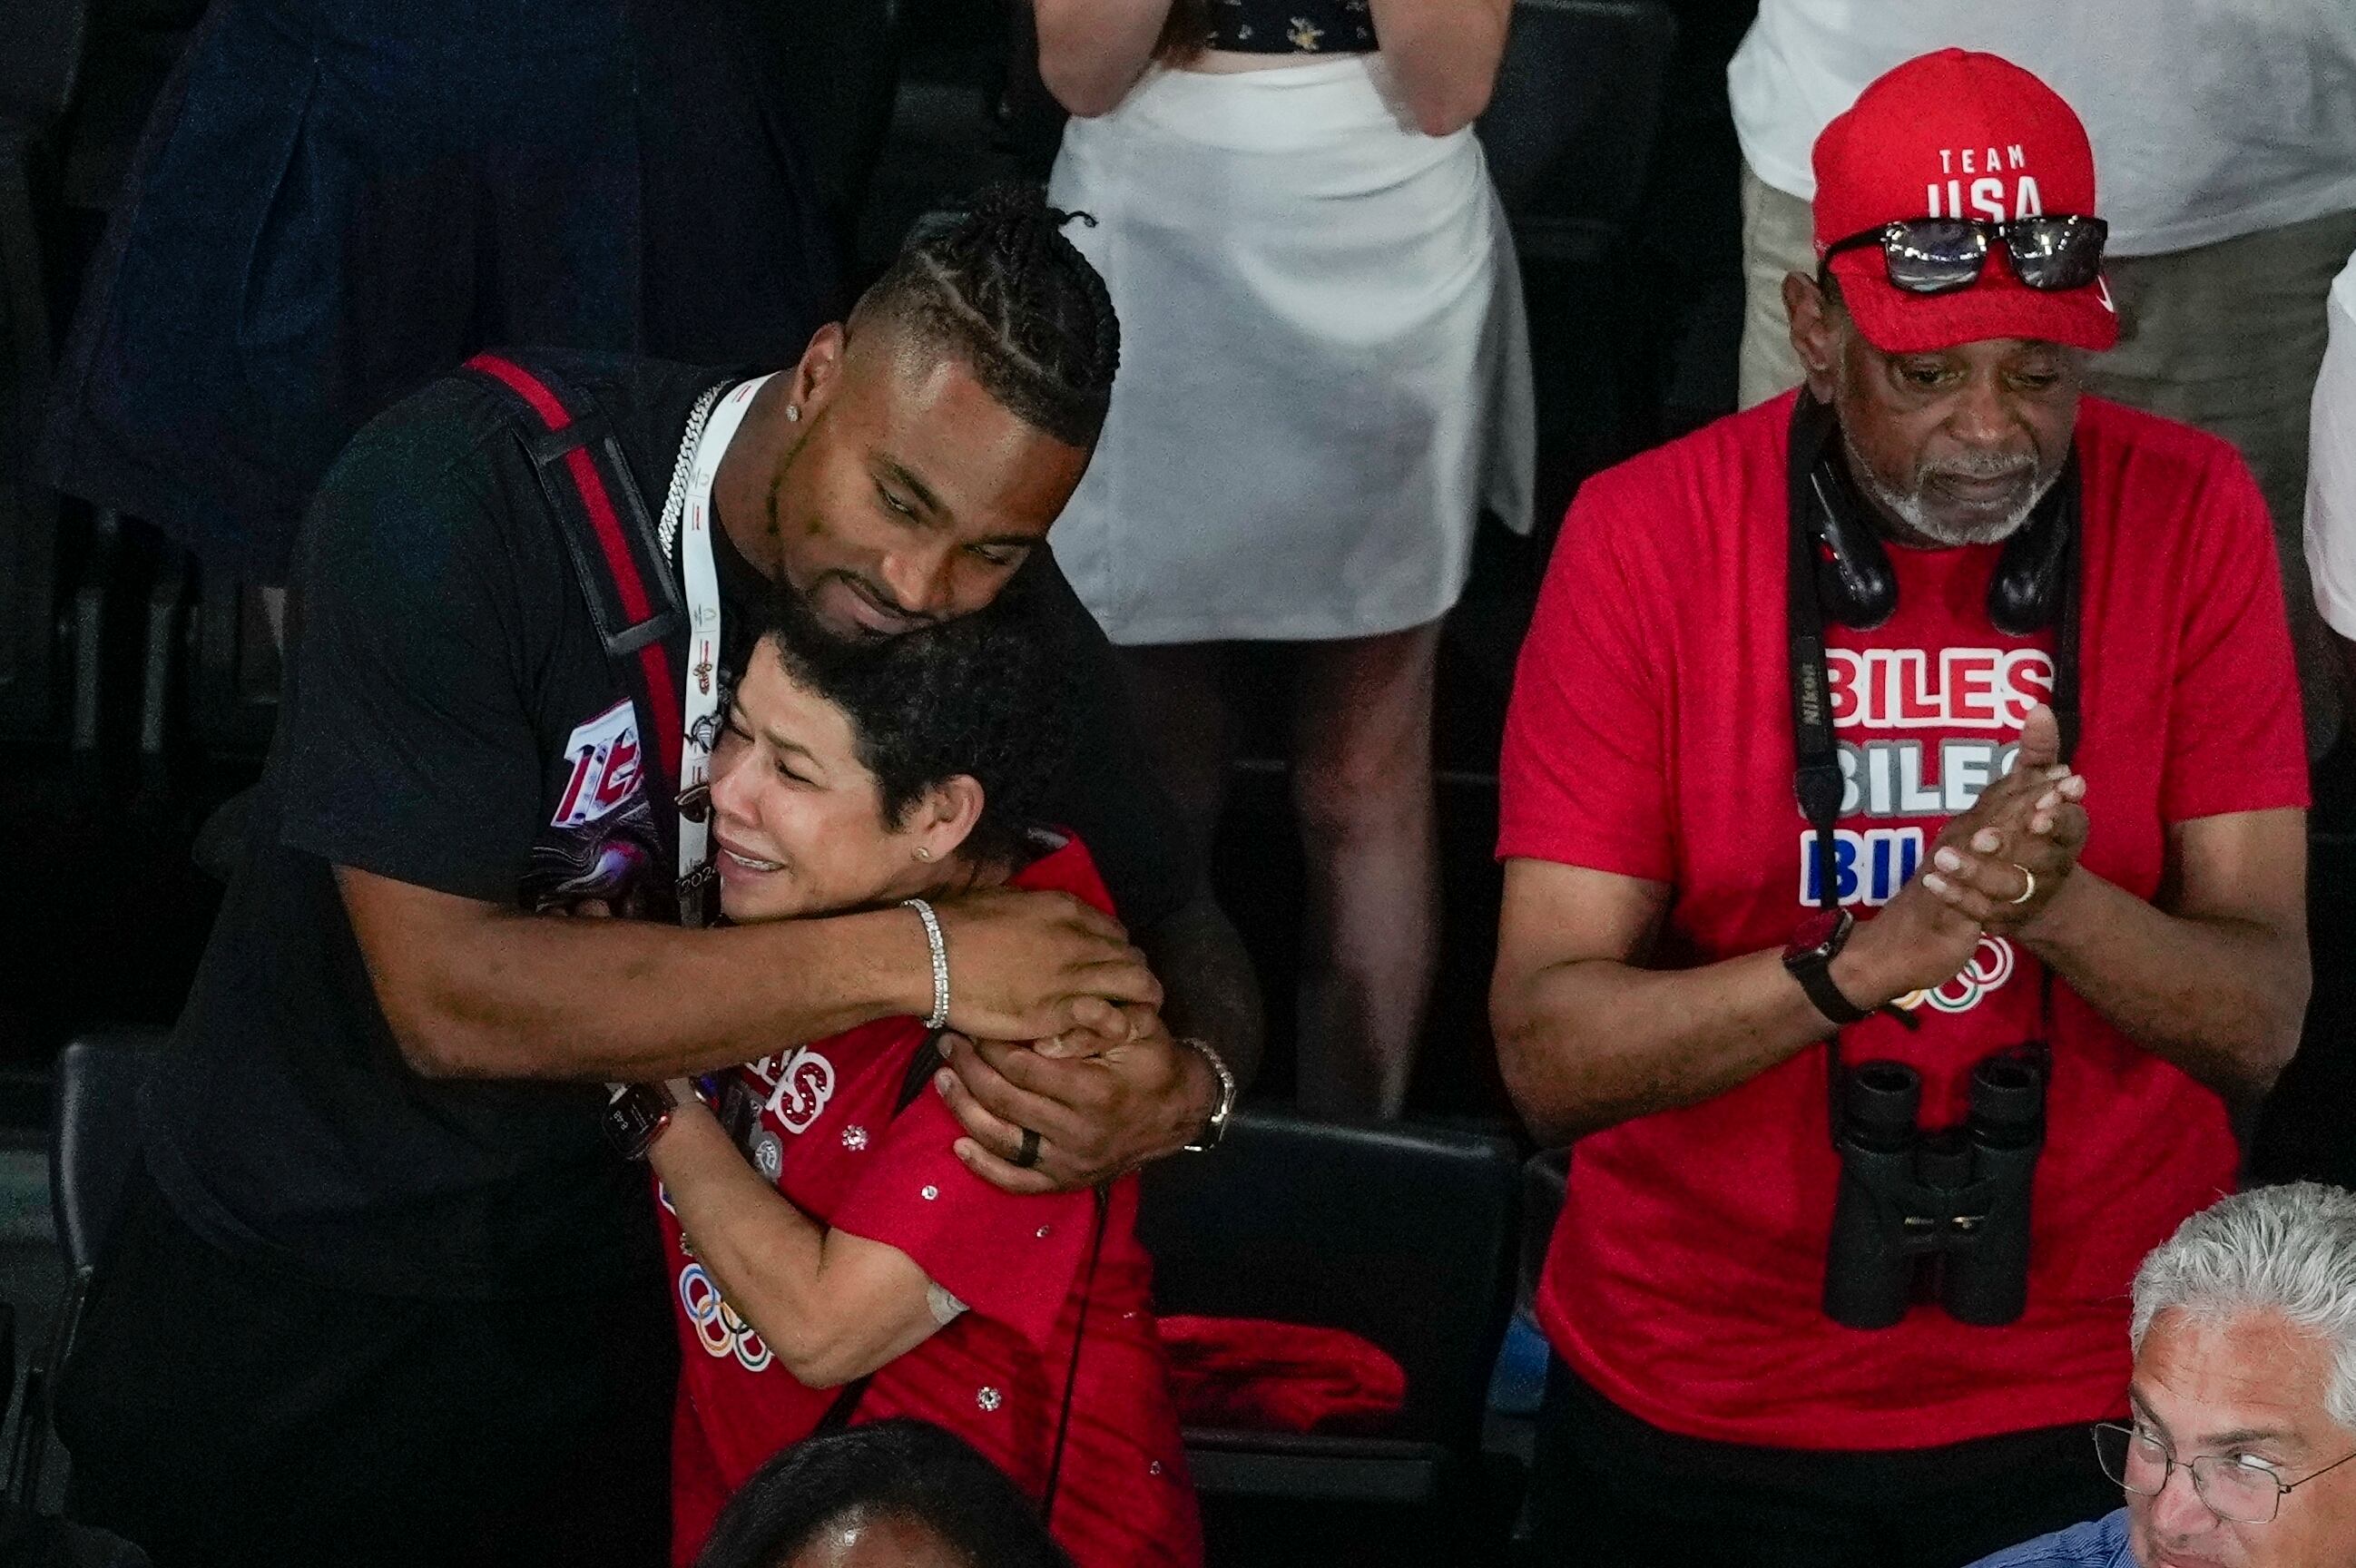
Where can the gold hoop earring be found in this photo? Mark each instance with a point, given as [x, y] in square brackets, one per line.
[923, 853]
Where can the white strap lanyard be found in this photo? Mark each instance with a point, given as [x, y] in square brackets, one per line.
[700, 582]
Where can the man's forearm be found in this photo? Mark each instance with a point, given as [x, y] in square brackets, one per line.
[508, 995]
[1589, 1044]
[2224, 999]
[1209, 990]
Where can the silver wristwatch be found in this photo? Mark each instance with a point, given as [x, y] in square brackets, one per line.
[1216, 1127]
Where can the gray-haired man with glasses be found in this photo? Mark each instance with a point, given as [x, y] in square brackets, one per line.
[2242, 1410]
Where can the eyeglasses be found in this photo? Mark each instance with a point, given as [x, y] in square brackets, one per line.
[2234, 1491]
[1940, 255]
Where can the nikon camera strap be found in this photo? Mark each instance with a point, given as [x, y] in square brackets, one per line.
[1817, 775]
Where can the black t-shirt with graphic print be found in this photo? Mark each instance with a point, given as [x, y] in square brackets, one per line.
[451, 721]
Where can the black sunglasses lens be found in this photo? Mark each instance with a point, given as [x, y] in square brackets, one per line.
[1934, 255]
[2063, 252]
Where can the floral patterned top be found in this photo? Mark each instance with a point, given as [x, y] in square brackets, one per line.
[1292, 27]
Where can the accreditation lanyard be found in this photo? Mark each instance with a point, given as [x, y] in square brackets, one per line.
[700, 705]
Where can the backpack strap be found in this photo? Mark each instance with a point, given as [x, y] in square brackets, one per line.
[625, 577]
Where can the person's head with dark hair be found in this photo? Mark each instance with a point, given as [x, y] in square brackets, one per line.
[893, 1494]
[857, 774]
[909, 464]
[973, 287]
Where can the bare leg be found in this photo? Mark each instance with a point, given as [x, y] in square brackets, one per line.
[1361, 786]
[1186, 726]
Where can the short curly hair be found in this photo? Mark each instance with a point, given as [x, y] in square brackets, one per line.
[990, 695]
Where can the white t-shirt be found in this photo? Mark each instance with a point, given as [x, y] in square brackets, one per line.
[2331, 466]
[2209, 118]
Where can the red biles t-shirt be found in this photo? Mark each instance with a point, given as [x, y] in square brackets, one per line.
[996, 1374]
[1649, 735]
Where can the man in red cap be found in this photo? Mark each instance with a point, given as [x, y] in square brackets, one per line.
[1903, 815]
[2226, 138]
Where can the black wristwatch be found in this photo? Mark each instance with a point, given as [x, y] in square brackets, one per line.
[1809, 956]
[636, 1115]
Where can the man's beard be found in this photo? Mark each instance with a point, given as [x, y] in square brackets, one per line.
[800, 595]
[797, 602]
[1912, 508]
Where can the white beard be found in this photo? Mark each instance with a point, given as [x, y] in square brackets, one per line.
[1908, 506]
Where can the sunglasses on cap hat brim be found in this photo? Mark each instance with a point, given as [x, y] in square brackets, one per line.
[1941, 255]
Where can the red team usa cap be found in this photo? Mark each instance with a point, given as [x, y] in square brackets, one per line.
[1957, 135]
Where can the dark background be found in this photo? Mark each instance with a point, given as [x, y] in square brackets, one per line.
[135, 697]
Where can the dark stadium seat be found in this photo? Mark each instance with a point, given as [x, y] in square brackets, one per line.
[95, 1134]
[1544, 1178]
[94, 1145]
[1570, 125]
[1403, 1234]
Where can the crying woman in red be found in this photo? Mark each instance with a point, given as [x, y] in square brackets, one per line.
[833, 1262]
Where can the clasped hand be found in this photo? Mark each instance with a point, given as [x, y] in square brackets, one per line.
[1993, 871]
[1102, 1100]
[1055, 1030]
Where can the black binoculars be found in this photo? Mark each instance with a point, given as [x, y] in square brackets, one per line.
[1953, 1204]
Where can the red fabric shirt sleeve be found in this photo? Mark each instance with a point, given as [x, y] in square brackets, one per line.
[2237, 739]
[1583, 778]
[1010, 1258]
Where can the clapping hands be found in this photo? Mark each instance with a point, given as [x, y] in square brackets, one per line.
[2002, 863]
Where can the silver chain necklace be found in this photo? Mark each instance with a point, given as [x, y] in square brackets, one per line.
[675, 503]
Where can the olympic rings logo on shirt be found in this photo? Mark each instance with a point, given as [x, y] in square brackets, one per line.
[1992, 963]
[717, 1326]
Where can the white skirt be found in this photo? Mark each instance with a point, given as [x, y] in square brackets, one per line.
[1325, 368]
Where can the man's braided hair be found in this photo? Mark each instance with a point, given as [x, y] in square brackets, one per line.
[1001, 287]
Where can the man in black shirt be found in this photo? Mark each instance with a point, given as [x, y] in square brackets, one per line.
[382, 1293]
